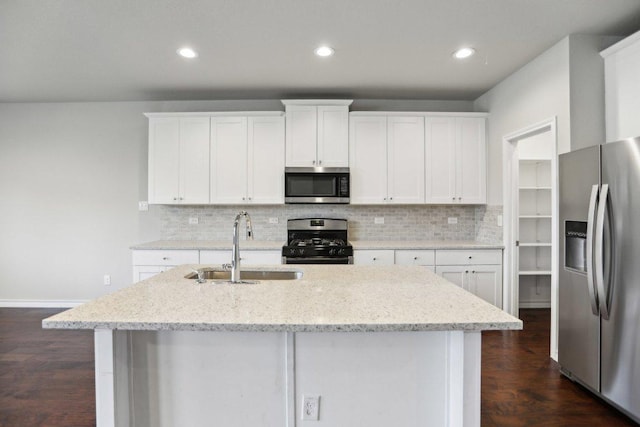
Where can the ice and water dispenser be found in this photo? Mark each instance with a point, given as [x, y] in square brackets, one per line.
[575, 250]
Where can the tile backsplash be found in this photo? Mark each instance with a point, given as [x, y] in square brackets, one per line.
[406, 222]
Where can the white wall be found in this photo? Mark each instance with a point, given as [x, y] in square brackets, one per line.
[566, 81]
[71, 176]
[537, 91]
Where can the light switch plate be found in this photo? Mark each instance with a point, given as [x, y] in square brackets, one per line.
[378, 220]
[273, 220]
[193, 220]
[452, 220]
[143, 206]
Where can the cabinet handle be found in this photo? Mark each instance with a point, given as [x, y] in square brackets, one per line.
[165, 258]
[415, 258]
[390, 198]
[314, 162]
[181, 198]
[469, 257]
[459, 198]
[473, 271]
[384, 198]
[249, 198]
[375, 259]
[319, 162]
[175, 198]
[243, 198]
[466, 272]
[454, 199]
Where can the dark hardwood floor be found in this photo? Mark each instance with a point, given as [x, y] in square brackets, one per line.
[46, 377]
[522, 386]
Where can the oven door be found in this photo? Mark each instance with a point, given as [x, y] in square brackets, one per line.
[316, 185]
[319, 260]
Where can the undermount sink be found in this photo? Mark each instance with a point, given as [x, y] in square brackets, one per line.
[225, 275]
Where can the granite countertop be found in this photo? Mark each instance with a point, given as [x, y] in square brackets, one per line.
[423, 244]
[329, 298]
[210, 244]
[277, 244]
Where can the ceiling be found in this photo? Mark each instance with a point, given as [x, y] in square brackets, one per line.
[117, 50]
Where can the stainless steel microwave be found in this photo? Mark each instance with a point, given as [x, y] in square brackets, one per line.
[316, 185]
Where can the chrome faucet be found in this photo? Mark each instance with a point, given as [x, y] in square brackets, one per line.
[235, 262]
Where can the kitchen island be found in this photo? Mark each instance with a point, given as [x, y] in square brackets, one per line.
[380, 345]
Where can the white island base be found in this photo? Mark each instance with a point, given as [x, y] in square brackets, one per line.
[212, 378]
[381, 346]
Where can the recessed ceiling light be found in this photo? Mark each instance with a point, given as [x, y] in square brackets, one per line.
[465, 52]
[187, 52]
[324, 51]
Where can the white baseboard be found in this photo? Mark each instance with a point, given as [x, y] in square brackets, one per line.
[535, 304]
[24, 303]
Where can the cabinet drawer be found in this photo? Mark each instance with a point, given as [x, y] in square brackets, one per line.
[165, 257]
[468, 257]
[373, 257]
[416, 257]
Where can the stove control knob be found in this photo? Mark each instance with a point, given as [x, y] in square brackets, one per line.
[292, 251]
[341, 251]
[301, 251]
[332, 251]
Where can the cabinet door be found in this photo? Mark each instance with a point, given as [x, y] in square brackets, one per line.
[486, 283]
[456, 274]
[373, 257]
[301, 135]
[440, 160]
[333, 136]
[405, 160]
[164, 165]
[266, 160]
[228, 160]
[471, 179]
[368, 159]
[142, 272]
[194, 160]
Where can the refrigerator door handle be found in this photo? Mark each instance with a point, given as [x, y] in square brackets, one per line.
[593, 201]
[599, 249]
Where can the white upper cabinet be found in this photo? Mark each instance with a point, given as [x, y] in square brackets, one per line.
[178, 160]
[229, 160]
[455, 160]
[386, 159]
[368, 159]
[265, 164]
[247, 160]
[405, 160]
[317, 133]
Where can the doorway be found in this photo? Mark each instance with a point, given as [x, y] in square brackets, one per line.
[531, 212]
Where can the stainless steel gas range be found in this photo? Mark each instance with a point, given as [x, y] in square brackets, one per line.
[317, 241]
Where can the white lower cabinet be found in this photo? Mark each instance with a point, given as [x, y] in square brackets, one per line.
[423, 257]
[149, 262]
[373, 256]
[477, 271]
[246, 257]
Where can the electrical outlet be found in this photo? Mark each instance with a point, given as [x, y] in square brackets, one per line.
[193, 220]
[310, 408]
[378, 220]
[107, 280]
[499, 220]
[143, 206]
[273, 220]
[452, 220]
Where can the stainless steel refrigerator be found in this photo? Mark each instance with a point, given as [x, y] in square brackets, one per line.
[599, 271]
